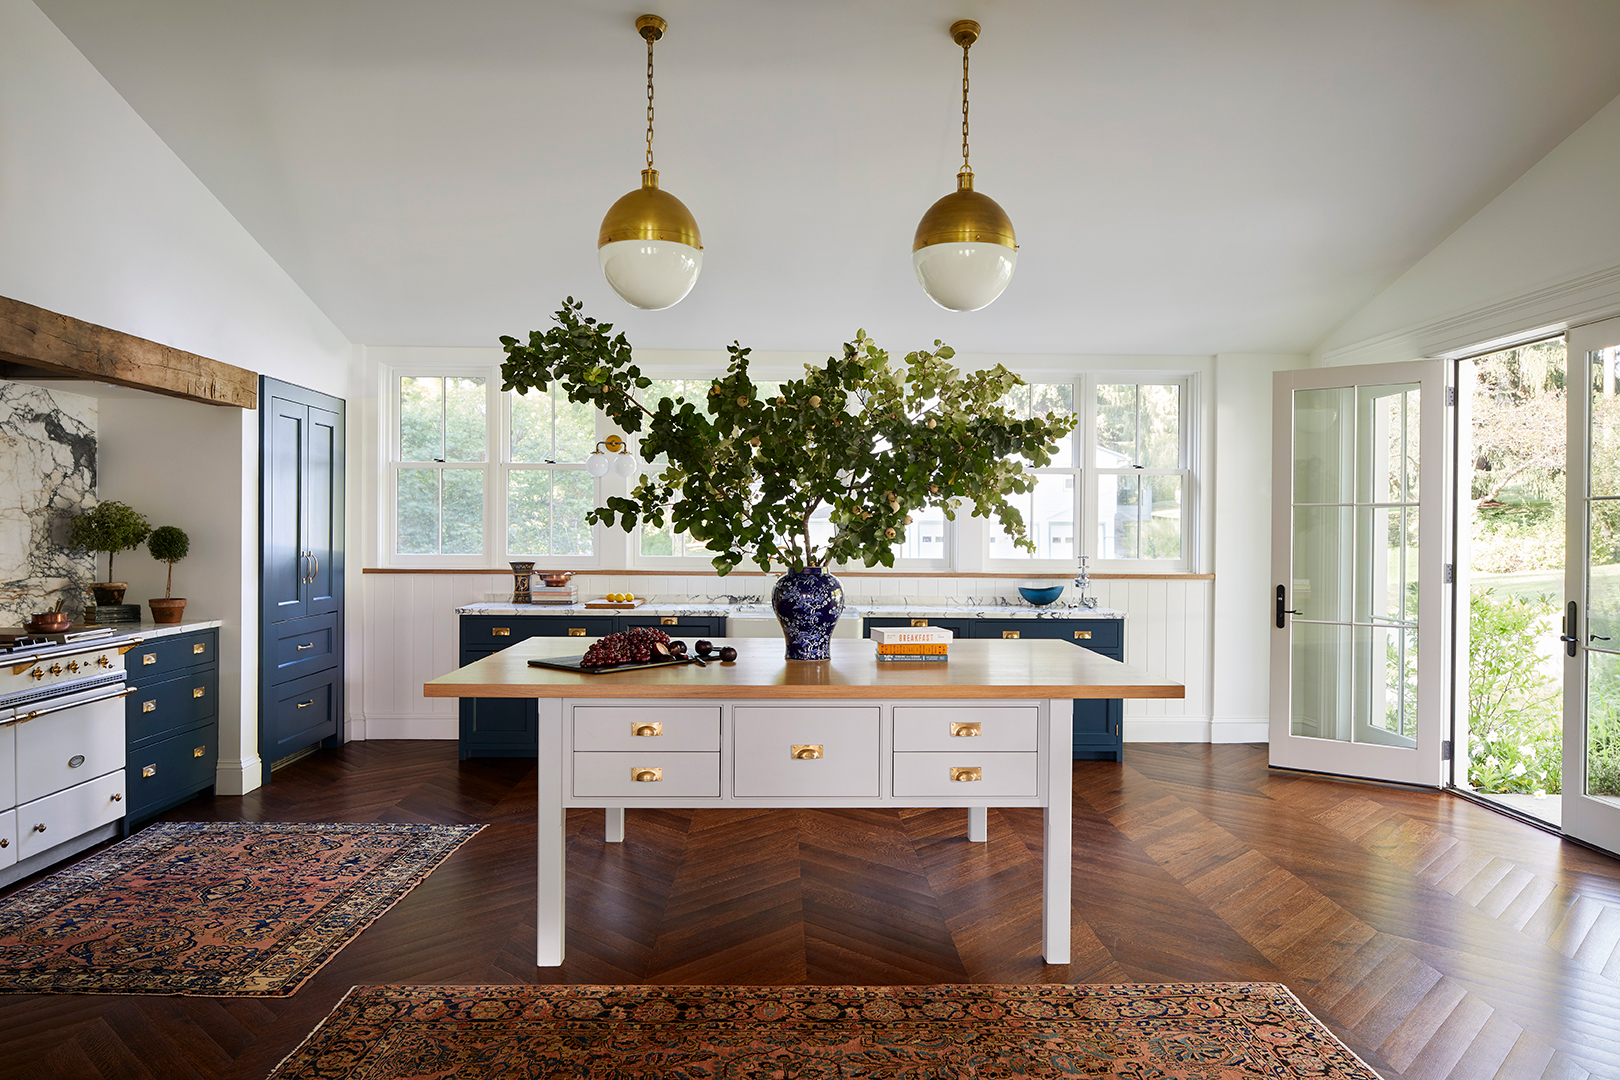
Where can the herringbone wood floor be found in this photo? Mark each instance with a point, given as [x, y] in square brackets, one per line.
[1435, 937]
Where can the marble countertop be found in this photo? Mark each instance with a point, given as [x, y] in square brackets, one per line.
[754, 608]
[146, 631]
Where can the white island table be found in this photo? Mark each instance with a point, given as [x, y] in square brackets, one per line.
[974, 732]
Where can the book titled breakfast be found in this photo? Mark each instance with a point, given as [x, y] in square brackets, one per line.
[912, 644]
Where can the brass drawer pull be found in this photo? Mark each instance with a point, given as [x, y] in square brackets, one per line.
[644, 729]
[668, 620]
[118, 796]
[4, 843]
[199, 751]
[646, 776]
[301, 648]
[806, 752]
[962, 729]
[38, 828]
[576, 631]
[148, 706]
[500, 631]
[1082, 635]
[196, 691]
[966, 775]
[919, 622]
[306, 704]
[148, 771]
[198, 649]
[149, 658]
[1010, 635]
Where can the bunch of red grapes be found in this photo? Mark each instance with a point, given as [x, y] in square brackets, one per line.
[638, 645]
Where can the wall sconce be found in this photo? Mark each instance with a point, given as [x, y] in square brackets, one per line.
[623, 462]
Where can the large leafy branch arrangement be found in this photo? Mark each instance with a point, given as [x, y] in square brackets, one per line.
[745, 472]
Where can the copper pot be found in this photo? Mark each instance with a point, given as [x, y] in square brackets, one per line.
[49, 622]
[556, 581]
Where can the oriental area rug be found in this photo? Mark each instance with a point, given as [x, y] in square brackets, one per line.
[212, 909]
[1165, 1031]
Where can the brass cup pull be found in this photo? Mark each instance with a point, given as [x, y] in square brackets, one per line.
[306, 704]
[198, 649]
[806, 752]
[576, 631]
[149, 658]
[1010, 635]
[196, 691]
[966, 774]
[961, 730]
[148, 771]
[1082, 635]
[500, 631]
[647, 730]
[668, 620]
[148, 706]
[301, 648]
[199, 751]
[646, 776]
[919, 622]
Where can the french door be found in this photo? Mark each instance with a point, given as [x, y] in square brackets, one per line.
[1591, 626]
[1361, 618]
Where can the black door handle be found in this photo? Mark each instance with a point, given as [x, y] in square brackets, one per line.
[1572, 644]
[1282, 607]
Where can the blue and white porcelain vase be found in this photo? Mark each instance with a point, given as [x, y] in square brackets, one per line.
[807, 603]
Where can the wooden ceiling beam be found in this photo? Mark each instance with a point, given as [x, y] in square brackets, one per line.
[61, 345]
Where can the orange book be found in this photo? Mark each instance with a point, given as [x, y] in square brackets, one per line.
[915, 650]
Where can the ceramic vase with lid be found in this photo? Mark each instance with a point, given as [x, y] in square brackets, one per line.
[807, 603]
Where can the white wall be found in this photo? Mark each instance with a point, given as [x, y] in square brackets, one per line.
[99, 220]
[1544, 253]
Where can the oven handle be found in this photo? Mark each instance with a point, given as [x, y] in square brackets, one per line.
[75, 704]
[123, 644]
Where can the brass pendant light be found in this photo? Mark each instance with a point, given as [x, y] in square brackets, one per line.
[649, 245]
[964, 251]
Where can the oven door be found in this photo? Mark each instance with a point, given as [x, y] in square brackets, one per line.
[67, 740]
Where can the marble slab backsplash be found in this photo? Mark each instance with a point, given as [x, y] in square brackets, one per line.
[47, 475]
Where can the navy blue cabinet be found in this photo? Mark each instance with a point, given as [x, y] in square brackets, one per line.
[171, 722]
[1098, 724]
[510, 727]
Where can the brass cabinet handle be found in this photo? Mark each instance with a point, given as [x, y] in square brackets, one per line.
[306, 704]
[38, 828]
[644, 729]
[199, 648]
[4, 843]
[576, 631]
[919, 622]
[646, 776]
[966, 774]
[500, 631]
[317, 572]
[148, 771]
[1010, 635]
[1082, 635]
[199, 751]
[149, 658]
[806, 751]
[668, 620]
[196, 691]
[961, 729]
[148, 706]
[301, 648]
[117, 796]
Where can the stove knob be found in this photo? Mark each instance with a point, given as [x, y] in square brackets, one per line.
[73, 666]
[56, 669]
[102, 661]
[36, 674]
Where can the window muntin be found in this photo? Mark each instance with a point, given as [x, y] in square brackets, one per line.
[1050, 511]
[546, 490]
[443, 433]
[1142, 476]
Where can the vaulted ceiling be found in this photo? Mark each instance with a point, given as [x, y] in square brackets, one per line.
[1185, 177]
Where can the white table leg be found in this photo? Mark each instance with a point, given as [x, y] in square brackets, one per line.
[551, 837]
[978, 824]
[614, 831]
[1057, 857]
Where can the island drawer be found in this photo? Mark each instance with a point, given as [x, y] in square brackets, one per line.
[954, 728]
[952, 776]
[649, 775]
[637, 728]
[805, 752]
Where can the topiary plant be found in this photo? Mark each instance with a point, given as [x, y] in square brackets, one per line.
[169, 544]
[111, 527]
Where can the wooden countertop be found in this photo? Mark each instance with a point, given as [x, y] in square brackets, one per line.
[976, 669]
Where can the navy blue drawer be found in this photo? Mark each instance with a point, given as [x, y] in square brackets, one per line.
[159, 656]
[172, 769]
[304, 646]
[499, 631]
[158, 707]
[679, 626]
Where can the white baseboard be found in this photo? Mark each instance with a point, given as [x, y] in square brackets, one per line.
[238, 777]
[1245, 730]
[409, 727]
[1164, 729]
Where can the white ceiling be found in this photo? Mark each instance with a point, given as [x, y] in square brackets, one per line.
[1185, 177]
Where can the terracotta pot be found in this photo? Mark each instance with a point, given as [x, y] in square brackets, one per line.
[109, 592]
[167, 610]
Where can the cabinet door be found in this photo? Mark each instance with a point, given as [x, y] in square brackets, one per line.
[284, 565]
[323, 514]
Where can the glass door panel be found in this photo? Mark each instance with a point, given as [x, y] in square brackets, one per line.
[1352, 692]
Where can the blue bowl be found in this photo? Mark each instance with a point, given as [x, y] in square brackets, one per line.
[1040, 597]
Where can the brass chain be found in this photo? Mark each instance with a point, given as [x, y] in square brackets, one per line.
[966, 168]
[649, 102]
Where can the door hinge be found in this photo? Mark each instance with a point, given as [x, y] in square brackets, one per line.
[1451, 574]
[1451, 395]
[1445, 750]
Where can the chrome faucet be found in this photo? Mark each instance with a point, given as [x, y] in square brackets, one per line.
[1082, 582]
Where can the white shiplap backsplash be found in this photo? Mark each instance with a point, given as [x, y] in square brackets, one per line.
[411, 637]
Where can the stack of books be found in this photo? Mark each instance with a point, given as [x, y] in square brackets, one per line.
[112, 613]
[907, 644]
[559, 594]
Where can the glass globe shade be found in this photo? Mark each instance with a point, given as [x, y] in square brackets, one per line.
[964, 276]
[597, 464]
[651, 274]
[625, 464]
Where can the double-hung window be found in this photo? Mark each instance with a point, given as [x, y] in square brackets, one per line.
[439, 465]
